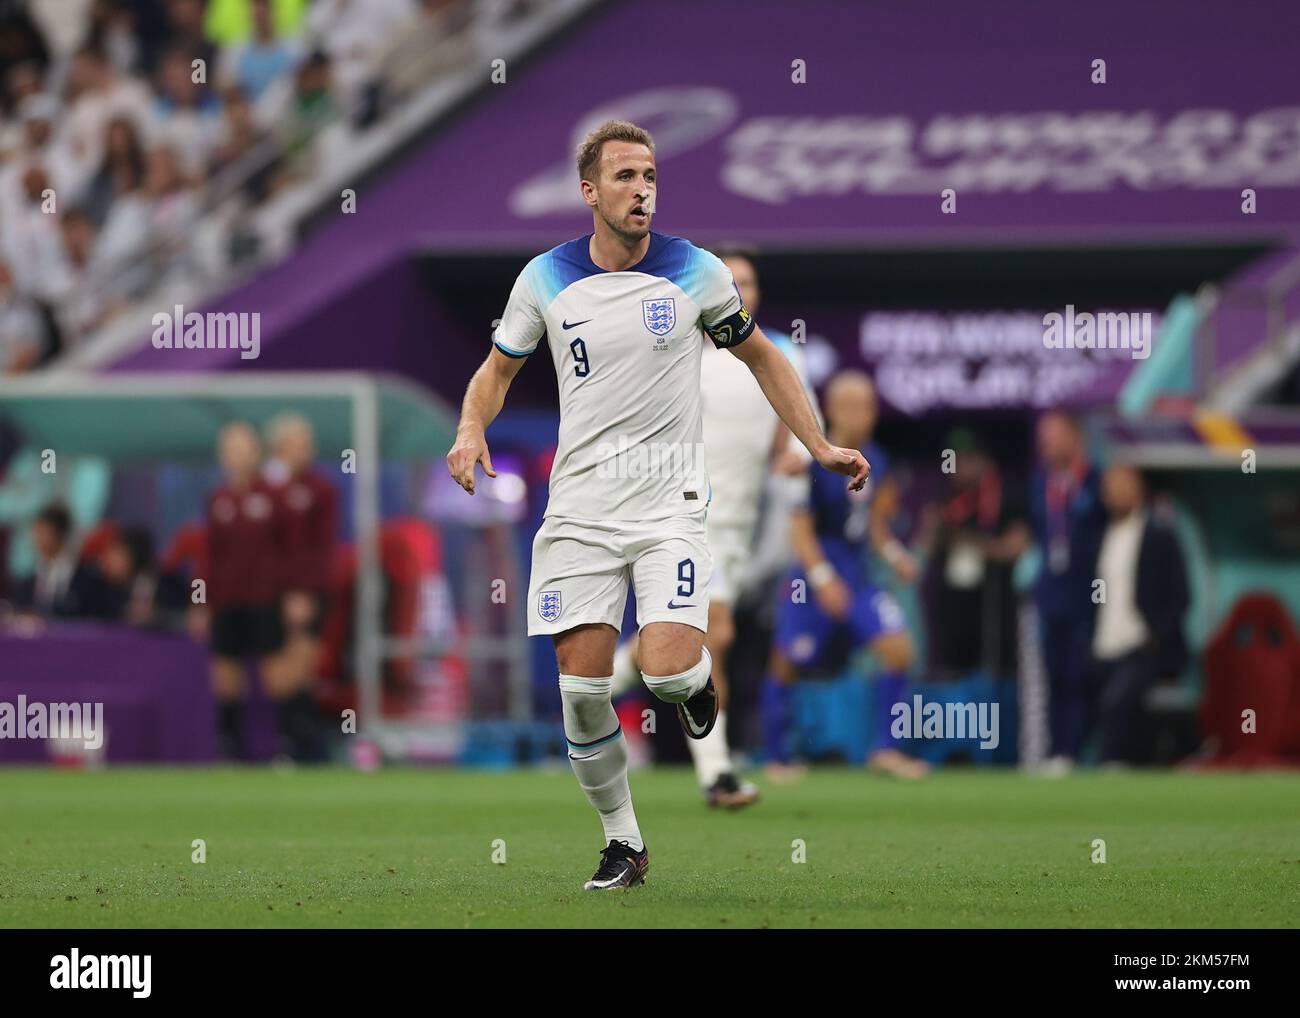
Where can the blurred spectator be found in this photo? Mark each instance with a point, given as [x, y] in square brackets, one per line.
[186, 33]
[117, 30]
[973, 539]
[21, 41]
[188, 113]
[39, 144]
[356, 36]
[239, 137]
[97, 95]
[19, 83]
[33, 479]
[1138, 637]
[313, 109]
[264, 59]
[120, 173]
[61, 587]
[1067, 519]
[32, 240]
[172, 208]
[83, 284]
[22, 329]
[130, 580]
[232, 21]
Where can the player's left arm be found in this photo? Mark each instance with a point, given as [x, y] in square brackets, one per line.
[781, 385]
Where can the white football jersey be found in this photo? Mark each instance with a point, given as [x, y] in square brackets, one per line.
[739, 429]
[626, 347]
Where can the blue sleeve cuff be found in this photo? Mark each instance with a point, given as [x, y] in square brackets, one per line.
[508, 352]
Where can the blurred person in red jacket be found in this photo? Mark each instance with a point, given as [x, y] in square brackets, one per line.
[309, 507]
[245, 583]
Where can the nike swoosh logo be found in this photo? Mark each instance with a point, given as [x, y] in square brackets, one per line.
[573, 325]
[671, 605]
[591, 757]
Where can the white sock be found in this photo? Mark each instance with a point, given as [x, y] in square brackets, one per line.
[627, 676]
[711, 754]
[684, 685]
[598, 755]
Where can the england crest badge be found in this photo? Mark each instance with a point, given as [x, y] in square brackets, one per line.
[548, 605]
[659, 315]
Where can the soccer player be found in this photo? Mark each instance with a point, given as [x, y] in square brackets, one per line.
[832, 537]
[625, 312]
[744, 436]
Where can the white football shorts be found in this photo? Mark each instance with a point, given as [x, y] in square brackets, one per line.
[581, 570]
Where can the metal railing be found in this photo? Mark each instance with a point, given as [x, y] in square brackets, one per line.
[1268, 297]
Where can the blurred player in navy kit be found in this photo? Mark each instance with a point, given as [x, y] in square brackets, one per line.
[309, 504]
[833, 536]
[247, 541]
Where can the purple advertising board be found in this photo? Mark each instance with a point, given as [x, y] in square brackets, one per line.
[819, 124]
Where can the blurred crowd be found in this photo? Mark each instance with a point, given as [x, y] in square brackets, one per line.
[125, 120]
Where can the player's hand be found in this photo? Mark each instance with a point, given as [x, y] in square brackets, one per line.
[849, 462]
[834, 597]
[906, 568]
[470, 449]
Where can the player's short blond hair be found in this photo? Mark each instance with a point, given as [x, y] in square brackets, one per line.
[610, 130]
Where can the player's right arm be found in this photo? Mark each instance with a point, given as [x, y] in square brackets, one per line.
[521, 328]
[483, 401]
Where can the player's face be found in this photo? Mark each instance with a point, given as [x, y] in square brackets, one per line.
[294, 445]
[851, 410]
[1057, 441]
[46, 539]
[746, 282]
[238, 452]
[625, 194]
[1121, 490]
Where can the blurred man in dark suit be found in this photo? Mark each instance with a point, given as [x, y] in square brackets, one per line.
[1138, 638]
[61, 587]
[1067, 517]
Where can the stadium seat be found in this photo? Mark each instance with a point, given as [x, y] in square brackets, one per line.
[1253, 664]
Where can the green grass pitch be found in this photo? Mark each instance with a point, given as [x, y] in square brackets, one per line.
[414, 848]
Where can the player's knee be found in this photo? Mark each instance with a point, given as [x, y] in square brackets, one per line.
[682, 685]
[668, 648]
[586, 650]
[894, 652]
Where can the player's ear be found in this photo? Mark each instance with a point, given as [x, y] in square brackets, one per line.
[588, 193]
